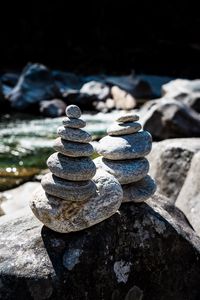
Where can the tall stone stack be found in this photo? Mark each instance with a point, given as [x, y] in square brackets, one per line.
[123, 153]
[72, 197]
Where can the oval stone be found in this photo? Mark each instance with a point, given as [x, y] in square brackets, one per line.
[73, 149]
[73, 111]
[128, 118]
[125, 147]
[74, 135]
[125, 171]
[68, 190]
[71, 168]
[74, 123]
[66, 216]
[139, 191]
[123, 128]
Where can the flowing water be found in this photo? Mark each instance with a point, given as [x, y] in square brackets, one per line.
[26, 142]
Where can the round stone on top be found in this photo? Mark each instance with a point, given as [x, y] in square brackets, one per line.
[128, 118]
[73, 112]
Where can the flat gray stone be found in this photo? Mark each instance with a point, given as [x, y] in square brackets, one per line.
[128, 118]
[64, 216]
[73, 149]
[139, 191]
[68, 190]
[125, 171]
[71, 168]
[125, 147]
[123, 128]
[74, 123]
[73, 111]
[74, 135]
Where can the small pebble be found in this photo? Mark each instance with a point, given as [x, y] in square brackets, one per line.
[73, 111]
[128, 118]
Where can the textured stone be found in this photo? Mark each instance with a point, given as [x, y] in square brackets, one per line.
[68, 190]
[74, 135]
[122, 98]
[74, 123]
[139, 191]
[127, 118]
[73, 111]
[98, 90]
[71, 168]
[125, 147]
[64, 216]
[123, 128]
[126, 171]
[142, 246]
[73, 149]
[188, 199]
[170, 162]
[169, 118]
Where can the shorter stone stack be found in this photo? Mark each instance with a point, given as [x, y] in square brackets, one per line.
[124, 150]
[69, 199]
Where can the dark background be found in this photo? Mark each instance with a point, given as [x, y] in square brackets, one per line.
[155, 37]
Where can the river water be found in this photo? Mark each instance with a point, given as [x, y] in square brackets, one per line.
[26, 142]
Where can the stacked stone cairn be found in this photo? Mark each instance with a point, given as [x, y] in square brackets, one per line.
[72, 197]
[123, 153]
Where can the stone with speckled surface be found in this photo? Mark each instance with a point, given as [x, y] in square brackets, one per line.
[126, 171]
[74, 135]
[73, 111]
[123, 128]
[65, 217]
[71, 168]
[73, 149]
[68, 190]
[125, 147]
[139, 191]
[74, 123]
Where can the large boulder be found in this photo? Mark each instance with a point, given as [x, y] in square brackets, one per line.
[35, 84]
[147, 250]
[169, 164]
[52, 108]
[168, 118]
[189, 197]
[187, 91]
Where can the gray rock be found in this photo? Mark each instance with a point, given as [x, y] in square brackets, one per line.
[186, 91]
[52, 108]
[125, 147]
[139, 191]
[189, 196]
[73, 149]
[71, 168]
[125, 171]
[74, 123]
[128, 118]
[68, 190]
[168, 118]
[147, 243]
[34, 85]
[18, 198]
[73, 111]
[74, 135]
[123, 99]
[123, 128]
[64, 216]
[170, 161]
[96, 89]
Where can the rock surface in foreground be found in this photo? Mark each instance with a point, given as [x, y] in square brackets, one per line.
[170, 161]
[189, 197]
[148, 248]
